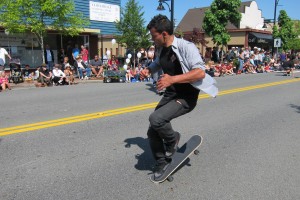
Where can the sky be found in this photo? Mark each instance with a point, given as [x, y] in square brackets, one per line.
[182, 6]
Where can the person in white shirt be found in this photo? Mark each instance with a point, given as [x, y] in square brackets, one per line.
[59, 78]
[3, 53]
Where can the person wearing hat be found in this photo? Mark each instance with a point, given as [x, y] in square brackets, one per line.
[69, 74]
[82, 68]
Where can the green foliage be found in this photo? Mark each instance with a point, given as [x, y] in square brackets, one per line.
[38, 16]
[216, 18]
[294, 43]
[275, 32]
[178, 33]
[286, 30]
[131, 25]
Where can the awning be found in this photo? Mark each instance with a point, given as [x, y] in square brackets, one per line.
[91, 30]
[259, 38]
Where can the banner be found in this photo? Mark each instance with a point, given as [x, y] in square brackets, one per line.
[104, 12]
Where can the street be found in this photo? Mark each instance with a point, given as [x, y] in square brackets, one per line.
[88, 141]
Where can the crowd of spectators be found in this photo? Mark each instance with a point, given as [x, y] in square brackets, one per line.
[249, 61]
[218, 63]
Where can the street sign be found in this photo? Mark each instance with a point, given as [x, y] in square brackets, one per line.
[277, 42]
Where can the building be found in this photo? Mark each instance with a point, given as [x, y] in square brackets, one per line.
[97, 36]
[248, 33]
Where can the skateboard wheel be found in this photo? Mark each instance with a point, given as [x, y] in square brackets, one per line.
[170, 178]
[196, 152]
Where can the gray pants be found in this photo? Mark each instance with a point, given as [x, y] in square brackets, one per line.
[160, 129]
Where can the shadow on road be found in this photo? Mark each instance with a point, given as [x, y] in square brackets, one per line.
[151, 87]
[296, 107]
[145, 160]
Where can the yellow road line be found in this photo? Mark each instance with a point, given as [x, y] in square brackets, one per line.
[97, 115]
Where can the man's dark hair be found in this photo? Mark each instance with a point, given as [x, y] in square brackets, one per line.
[161, 23]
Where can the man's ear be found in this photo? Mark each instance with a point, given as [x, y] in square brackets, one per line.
[164, 33]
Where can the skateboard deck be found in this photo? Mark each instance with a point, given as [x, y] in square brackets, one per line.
[183, 153]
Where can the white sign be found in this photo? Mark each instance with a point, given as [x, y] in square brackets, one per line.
[277, 42]
[104, 12]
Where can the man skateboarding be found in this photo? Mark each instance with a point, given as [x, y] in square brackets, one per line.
[183, 78]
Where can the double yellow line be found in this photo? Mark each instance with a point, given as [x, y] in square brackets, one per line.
[97, 115]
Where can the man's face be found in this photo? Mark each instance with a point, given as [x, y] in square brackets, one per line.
[96, 57]
[157, 37]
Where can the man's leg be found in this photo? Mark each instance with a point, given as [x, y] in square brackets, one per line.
[94, 71]
[163, 114]
[161, 131]
[80, 73]
[50, 66]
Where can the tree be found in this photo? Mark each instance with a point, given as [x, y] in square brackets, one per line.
[38, 16]
[131, 26]
[295, 42]
[217, 17]
[179, 33]
[285, 30]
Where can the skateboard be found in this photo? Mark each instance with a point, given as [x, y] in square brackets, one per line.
[183, 153]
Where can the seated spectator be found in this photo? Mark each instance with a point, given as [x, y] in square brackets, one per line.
[222, 68]
[144, 56]
[59, 78]
[211, 70]
[69, 74]
[267, 67]
[16, 72]
[133, 73]
[114, 66]
[45, 76]
[4, 83]
[252, 61]
[113, 63]
[27, 74]
[138, 70]
[248, 67]
[36, 74]
[128, 74]
[260, 68]
[229, 68]
[96, 66]
[82, 68]
[64, 63]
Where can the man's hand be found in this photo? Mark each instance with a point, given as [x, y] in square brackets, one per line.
[165, 81]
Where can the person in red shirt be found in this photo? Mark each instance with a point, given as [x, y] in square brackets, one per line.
[229, 68]
[84, 54]
[113, 63]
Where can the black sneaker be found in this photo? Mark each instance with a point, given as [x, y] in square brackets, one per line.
[172, 148]
[159, 169]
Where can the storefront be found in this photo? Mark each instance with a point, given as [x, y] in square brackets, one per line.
[102, 15]
[260, 40]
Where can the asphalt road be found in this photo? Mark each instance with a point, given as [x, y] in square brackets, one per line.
[250, 148]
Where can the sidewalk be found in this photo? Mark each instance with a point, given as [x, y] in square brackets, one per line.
[31, 84]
